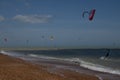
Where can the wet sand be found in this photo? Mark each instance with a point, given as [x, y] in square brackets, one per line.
[16, 69]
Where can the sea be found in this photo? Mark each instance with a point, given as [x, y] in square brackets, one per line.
[92, 59]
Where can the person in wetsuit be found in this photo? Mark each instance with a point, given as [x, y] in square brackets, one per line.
[108, 53]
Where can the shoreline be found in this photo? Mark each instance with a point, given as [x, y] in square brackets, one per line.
[59, 65]
[76, 68]
[18, 69]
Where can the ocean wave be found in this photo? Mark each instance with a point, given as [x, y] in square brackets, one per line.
[10, 53]
[4, 52]
[97, 67]
[43, 57]
[82, 63]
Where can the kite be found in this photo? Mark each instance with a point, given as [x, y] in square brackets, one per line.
[51, 38]
[90, 13]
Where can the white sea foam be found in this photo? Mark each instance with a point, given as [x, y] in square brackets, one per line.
[46, 57]
[85, 64]
[100, 78]
[88, 65]
[96, 67]
[10, 53]
[4, 52]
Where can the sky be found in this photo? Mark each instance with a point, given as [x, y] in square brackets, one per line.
[59, 24]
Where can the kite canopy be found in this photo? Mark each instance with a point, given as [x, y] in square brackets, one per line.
[90, 13]
[83, 15]
[51, 38]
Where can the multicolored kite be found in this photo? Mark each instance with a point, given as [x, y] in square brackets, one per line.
[90, 13]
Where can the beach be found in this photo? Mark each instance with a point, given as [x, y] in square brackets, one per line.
[12, 68]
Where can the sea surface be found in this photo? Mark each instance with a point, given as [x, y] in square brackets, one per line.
[93, 59]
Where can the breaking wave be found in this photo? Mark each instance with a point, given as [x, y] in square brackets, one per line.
[82, 63]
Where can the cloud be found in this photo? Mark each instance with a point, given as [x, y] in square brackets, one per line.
[2, 18]
[33, 18]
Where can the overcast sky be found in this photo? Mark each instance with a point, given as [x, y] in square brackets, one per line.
[59, 23]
